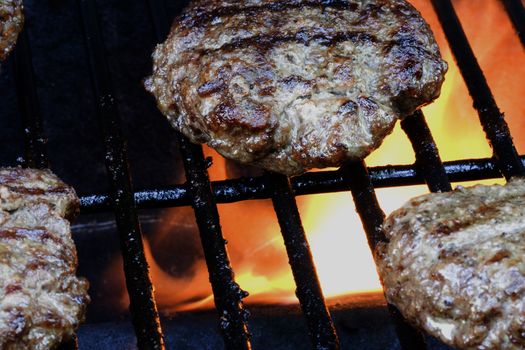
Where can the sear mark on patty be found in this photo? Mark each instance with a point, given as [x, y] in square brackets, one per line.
[42, 302]
[263, 81]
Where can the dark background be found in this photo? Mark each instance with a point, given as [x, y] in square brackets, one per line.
[74, 139]
[66, 98]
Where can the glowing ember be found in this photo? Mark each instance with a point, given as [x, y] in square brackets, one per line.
[335, 233]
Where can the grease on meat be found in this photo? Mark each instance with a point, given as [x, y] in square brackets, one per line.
[455, 265]
[294, 85]
[42, 302]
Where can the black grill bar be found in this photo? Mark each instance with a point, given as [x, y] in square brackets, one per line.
[35, 142]
[372, 217]
[516, 12]
[367, 206]
[320, 325]
[142, 304]
[230, 191]
[491, 118]
[428, 161]
[226, 292]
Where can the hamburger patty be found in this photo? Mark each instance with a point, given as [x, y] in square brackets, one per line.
[293, 85]
[11, 22]
[455, 265]
[42, 302]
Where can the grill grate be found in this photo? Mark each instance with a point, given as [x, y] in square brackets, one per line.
[429, 164]
[203, 195]
[372, 217]
[143, 309]
[490, 116]
[230, 191]
[428, 161]
[309, 293]
[227, 293]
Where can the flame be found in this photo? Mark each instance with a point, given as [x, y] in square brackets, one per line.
[335, 233]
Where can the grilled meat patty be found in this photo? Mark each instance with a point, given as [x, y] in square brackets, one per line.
[42, 302]
[293, 85]
[455, 265]
[11, 21]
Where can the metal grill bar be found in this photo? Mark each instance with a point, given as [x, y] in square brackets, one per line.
[429, 164]
[372, 217]
[230, 191]
[199, 193]
[35, 142]
[309, 292]
[491, 118]
[142, 304]
[367, 206]
[428, 161]
[320, 325]
[516, 12]
[226, 292]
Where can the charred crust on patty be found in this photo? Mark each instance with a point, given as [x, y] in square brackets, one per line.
[42, 301]
[454, 265]
[263, 82]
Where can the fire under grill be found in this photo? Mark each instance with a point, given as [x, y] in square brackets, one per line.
[204, 195]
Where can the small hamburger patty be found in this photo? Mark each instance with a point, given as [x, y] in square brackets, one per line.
[455, 265]
[11, 21]
[42, 302]
[293, 85]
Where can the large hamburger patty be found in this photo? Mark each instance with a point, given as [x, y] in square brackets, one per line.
[455, 265]
[11, 21]
[292, 85]
[42, 302]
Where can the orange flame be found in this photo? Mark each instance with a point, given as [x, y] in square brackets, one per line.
[335, 233]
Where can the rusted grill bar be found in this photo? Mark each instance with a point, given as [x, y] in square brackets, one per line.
[490, 116]
[142, 304]
[372, 217]
[226, 292]
[35, 142]
[516, 12]
[428, 161]
[320, 324]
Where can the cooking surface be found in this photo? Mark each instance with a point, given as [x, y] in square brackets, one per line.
[75, 149]
[67, 104]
